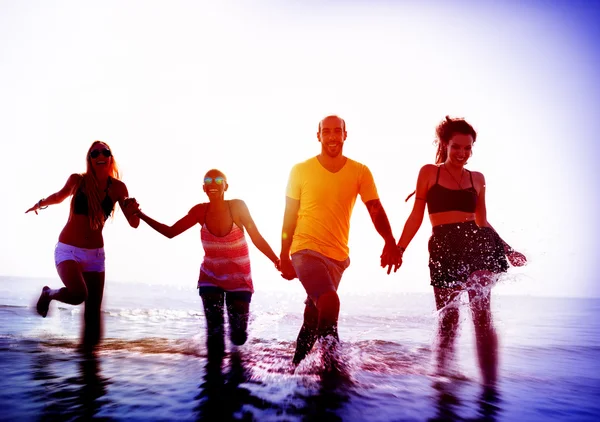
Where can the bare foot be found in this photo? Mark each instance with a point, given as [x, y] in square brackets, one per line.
[43, 302]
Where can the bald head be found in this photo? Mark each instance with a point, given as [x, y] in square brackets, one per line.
[215, 173]
[333, 119]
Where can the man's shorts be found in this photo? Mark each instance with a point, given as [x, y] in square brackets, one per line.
[318, 273]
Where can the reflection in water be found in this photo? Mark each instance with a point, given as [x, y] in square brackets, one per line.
[333, 393]
[334, 389]
[221, 396]
[66, 396]
[448, 404]
[488, 404]
[228, 392]
[93, 386]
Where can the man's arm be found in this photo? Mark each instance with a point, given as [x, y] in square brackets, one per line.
[290, 219]
[390, 256]
[380, 220]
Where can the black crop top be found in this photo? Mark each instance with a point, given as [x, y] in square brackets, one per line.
[440, 199]
[80, 205]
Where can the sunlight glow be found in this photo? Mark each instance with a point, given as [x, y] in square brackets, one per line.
[180, 89]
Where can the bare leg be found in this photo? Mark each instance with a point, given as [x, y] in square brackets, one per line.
[329, 310]
[238, 312]
[92, 315]
[448, 325]
[75, 290]
[215, 321]
[319, 321]
[308, 333]
[485, 333]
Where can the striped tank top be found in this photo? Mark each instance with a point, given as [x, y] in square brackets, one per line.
[226, 261]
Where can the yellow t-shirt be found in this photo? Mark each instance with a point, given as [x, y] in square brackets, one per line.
[326, 203]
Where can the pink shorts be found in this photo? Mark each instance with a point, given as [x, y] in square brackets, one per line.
[91, 260]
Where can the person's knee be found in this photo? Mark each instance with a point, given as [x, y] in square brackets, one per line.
[449, 323]
[329, 309]
[311, 315]
[328, 301]
[483, 322]
[78, 296]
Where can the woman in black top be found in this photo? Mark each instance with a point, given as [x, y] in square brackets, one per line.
[465, 252]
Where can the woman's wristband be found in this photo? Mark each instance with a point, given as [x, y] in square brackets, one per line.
[39, 204]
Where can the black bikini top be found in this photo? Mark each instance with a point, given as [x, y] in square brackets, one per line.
[80, 205]
[440, 198]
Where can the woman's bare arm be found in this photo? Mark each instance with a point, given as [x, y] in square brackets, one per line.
[176, 229]
[255, 236]
[58, 197]
[415, 219]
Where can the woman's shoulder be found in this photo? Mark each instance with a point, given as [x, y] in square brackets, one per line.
[428, 169]
[237, 204]
[119, 187]
[74, 181]
[198, 208]
[75, 178]
[476, 175]
[116, 182]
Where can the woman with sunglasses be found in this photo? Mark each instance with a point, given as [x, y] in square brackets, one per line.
[225, 276]
[465, 252]
[79, 253]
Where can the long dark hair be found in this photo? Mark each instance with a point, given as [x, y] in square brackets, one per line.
[444, 131]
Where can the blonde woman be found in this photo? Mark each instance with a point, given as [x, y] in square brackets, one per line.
[79, 253]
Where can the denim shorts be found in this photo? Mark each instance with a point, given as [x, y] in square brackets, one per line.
[318, 273]
[90, 260]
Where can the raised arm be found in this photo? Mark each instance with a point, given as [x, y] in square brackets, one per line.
[58, 197]
[415, 219]
[290, 219]
[255, 236]
[176, 229]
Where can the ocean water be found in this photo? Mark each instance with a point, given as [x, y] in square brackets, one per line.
[152, 363]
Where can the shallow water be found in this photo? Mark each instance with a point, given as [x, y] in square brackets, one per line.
[152, 364]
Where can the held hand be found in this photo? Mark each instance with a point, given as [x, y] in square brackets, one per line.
[277, 264]
[517, 259]
[131, 206]
[287, 269]
[391, 257]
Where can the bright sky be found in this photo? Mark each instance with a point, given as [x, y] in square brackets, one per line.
[179, 87]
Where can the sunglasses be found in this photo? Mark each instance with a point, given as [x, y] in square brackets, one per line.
[95, 153]
[218, 180]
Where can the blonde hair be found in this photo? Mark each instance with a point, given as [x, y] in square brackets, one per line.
[89, 185]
